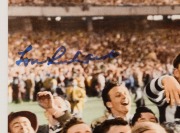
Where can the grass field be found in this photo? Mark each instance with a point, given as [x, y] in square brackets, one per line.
[94, 108]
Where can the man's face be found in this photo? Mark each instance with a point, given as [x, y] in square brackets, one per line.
[21, 125]
[147, 117]
[79, 128]
[120, 100]
[120, 129]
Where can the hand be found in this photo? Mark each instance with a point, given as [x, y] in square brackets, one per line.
[45, 99]
[59, 108]
[172, 90]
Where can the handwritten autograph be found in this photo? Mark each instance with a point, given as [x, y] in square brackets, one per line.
[62, 50]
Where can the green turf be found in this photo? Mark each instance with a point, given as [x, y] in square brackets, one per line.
[94, 108]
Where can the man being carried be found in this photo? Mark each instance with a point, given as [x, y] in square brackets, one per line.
[165, 93]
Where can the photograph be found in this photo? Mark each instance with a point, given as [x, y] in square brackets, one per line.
[93, 66]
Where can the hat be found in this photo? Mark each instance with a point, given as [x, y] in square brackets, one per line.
[140, 110]
[31, 116]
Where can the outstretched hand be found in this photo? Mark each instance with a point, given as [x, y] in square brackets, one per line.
[172, 90]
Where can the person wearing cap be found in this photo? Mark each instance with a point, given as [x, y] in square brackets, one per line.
[22, 122]
[165, 93]
[117, 100]
[143, 114]
[56, 112]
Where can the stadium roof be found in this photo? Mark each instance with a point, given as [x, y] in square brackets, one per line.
[92, 11]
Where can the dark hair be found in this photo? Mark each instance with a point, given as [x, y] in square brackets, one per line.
[107, 124]
[105, 96]
[176, 61]
[97, 129]
[140, 110]
[73, 121]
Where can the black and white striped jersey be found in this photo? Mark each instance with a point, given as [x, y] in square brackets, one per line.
[155, 93]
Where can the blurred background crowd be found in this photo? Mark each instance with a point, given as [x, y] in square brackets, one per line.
[146, 52]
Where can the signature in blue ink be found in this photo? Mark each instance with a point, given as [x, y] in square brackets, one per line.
[62, 51]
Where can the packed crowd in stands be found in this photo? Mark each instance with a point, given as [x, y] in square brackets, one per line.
[91, 2]
[152, 54]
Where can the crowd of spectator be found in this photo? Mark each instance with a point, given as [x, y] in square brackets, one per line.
[91, 2]
[141, 53]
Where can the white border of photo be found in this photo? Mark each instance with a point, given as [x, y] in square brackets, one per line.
[3, 65]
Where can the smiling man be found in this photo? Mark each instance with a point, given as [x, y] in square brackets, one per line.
[22, 122]
[116, 99]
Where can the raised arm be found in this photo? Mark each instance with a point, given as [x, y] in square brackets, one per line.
[162, 90]
[55, 107]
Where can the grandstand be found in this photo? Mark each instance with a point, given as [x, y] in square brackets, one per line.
[130, 20]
